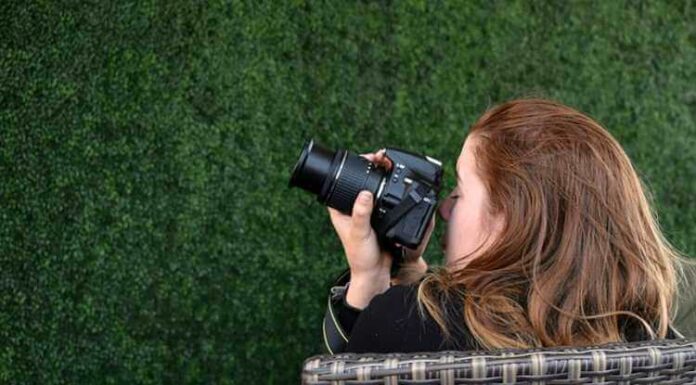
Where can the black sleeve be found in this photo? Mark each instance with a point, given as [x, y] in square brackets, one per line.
[391, 323]
[346, 315]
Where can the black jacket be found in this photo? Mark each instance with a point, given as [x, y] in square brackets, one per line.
[391, 323]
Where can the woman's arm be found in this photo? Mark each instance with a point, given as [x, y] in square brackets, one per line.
[341, 315]
[364, 287]
[369, 265]
[392, 324]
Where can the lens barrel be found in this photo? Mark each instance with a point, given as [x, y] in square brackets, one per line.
[336, 177]
[313, 167]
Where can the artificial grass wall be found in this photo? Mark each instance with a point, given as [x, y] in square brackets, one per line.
[147, 234]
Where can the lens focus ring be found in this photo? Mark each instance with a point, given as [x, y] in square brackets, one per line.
[351, 179]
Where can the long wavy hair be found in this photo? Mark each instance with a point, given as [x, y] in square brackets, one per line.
[580, 252]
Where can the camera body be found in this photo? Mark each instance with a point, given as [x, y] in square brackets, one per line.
[406, 196]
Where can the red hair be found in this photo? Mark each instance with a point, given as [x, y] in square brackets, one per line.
[581, 251]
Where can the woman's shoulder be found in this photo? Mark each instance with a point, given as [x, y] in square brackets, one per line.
[398, 303]
[392, 322]
[397, 295]
[403, 294]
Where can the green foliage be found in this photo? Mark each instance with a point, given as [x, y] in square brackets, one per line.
[147, 233]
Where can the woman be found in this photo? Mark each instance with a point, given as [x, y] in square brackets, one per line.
[550, 241]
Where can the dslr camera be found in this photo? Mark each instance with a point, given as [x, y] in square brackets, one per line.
[406, 196]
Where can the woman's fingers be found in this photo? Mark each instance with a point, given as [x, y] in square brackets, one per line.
[379, 158]
[370, 156]
[362, 210]
[382, 159]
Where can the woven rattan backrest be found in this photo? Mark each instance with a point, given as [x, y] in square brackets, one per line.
[647, 362]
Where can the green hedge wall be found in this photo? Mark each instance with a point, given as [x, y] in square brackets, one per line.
[147, 233]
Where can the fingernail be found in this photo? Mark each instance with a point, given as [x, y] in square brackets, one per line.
[365, 196]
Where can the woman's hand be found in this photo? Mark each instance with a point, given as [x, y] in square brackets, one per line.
[369, 266]
[359, 239]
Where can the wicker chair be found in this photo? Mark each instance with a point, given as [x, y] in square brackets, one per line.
[645, 362]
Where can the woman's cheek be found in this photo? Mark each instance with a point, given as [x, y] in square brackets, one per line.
[455, 233]
[464, 231]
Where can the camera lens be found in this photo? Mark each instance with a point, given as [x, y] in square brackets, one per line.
[336, 177]
[312, 168]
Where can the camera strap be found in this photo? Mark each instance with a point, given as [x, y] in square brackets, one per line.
[334, 335]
